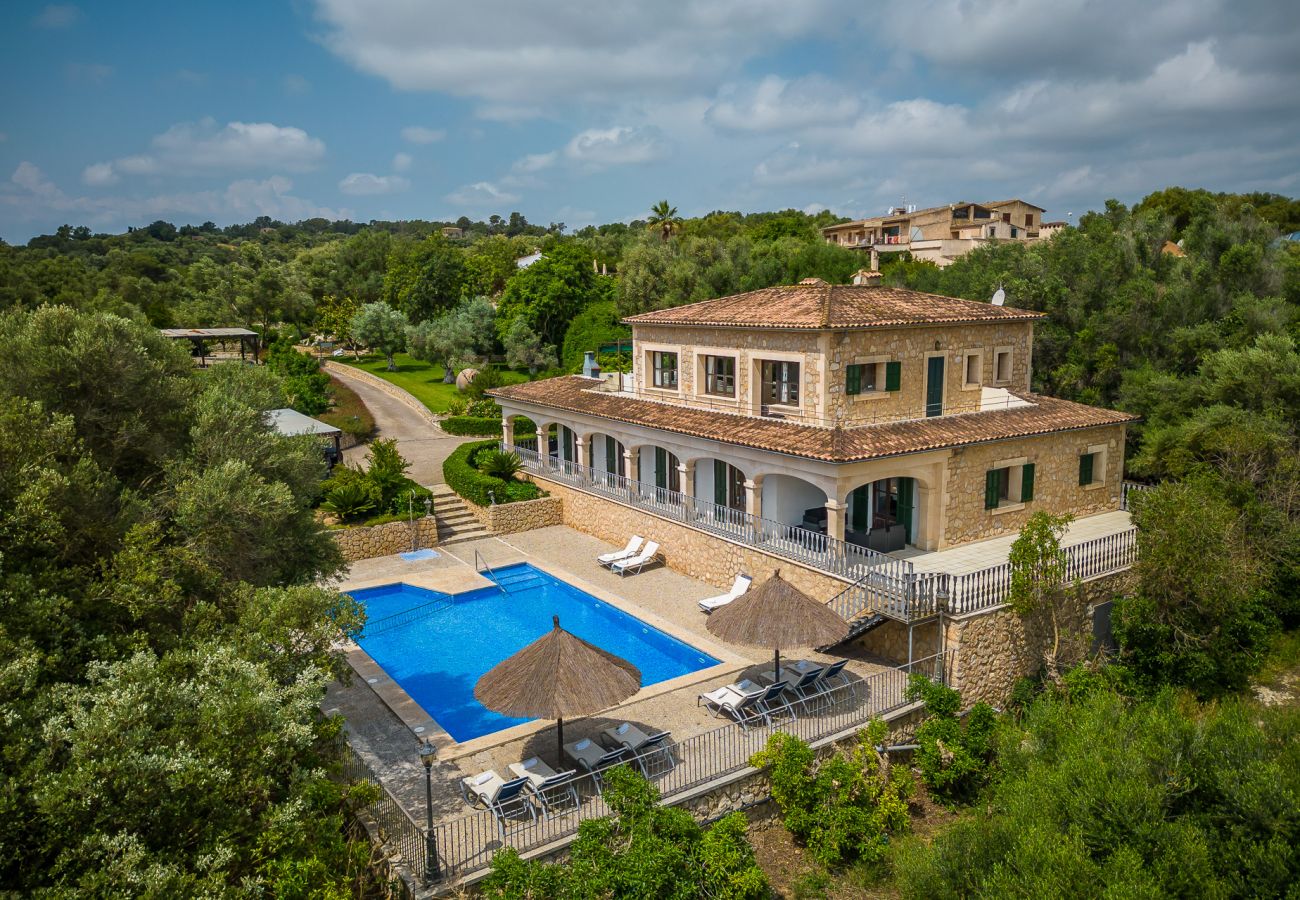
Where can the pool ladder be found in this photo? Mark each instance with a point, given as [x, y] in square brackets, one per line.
[480, 564]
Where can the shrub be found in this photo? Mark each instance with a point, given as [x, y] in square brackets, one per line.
[352, 498]
[844, 808]
[305, 385]
[595, 326]
[487, 378]
[500, 464]
[642, 850]
[381, 490]
[470, 425]
[953, 760]
[459, 471]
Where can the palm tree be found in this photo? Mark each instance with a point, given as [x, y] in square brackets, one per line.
[665, 217]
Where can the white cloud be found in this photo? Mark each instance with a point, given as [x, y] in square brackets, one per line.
[99, 174]
[364, 184]
[401, 162]
[271, 197]
[418, 134]
[535, 162]
[618, 146]
[481, 194]
[775, 104]
[295, 85]
[516, 56]
[57, 15]
[204, 148]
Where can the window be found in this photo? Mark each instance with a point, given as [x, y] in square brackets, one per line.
[720, 375]
[1087, 468]
[1008, 485]
[974, 369]
[961, 212]
[1002, 367]
[981, 213]
[665, 369]
[862, 378]
[1029, 220]
[780, 383]
[1006, 217]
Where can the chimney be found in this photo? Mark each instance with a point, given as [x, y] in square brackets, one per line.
[862, 276]
[590, 368]
[875, 260]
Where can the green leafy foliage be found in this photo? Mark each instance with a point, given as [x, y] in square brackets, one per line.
[1099, 795]
[460, 472]
[953, 758]
[381, 328]
[844, 808]
[642, 850]
[381, 489]
[500, 464]
[351, 498]
[549, 293]
[305, 385]
[596, 326]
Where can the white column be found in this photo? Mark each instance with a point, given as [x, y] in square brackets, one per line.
[631, 465]
[580, 447]
[507, 430]
[753, 499]
[686, 475]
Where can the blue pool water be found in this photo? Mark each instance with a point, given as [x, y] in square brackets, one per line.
[438, 657]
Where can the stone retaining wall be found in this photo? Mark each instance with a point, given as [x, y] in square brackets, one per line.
[387, 387]
[702, 556]
[384, 540]
[525, 515]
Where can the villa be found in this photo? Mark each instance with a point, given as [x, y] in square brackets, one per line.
[940, 234]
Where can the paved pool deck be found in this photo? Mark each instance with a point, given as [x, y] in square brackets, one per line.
[380, 728]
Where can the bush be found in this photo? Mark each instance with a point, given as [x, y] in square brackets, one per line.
[383, 489]
[470, 425]
[843, 809]
[305, 385]
[352, 498]
[460, 472]
[642, 850]
[953, 760]
[500, 464]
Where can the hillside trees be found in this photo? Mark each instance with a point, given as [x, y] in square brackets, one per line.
[550, 292]
[425, 279]
[381, 328]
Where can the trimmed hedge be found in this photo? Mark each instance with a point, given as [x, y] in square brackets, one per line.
[461, 476]
[474, 425]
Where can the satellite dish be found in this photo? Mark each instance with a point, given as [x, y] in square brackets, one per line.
[999, 297]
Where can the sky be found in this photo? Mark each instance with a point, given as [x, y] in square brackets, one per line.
[120, 113]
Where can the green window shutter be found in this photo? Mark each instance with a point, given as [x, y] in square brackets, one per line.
[611, 454]
[661, 467]
[861, 508]
[1027, 483]
[853, 380]
[992, 488]
[893, 376]
[719, 482]
[1085, 469]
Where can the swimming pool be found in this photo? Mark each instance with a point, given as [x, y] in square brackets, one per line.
[452, 640]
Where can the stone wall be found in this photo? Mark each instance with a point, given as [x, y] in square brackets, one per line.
[509, 518]
[998, 647]
[384, 540]
[1056, 482]
[701, 556]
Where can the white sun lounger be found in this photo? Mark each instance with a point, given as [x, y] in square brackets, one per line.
[635, 563]
[551, 789]
[633, 545]
[503, 798]
[738, 587]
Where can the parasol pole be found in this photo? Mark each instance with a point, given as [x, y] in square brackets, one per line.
[559, 742]
[778, 664]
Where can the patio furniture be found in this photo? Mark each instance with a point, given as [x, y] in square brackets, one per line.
[746, 702]
[738, 587]
[593, 758]
[551, 789]
[801, 682]
[644, 748]
[633, 545]
[635, 563]
[500, 797]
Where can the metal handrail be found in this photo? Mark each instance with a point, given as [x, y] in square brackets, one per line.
[478, 558]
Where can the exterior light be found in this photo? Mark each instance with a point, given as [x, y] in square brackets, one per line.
[432, 871]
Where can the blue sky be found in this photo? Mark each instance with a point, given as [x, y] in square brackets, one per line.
[116, 114]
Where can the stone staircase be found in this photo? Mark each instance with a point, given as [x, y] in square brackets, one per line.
[455, 522]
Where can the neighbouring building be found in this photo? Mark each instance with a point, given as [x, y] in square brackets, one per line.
[940, 234]
[885, 418]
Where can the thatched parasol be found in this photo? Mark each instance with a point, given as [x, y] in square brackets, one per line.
[557, 675]
[776, 614]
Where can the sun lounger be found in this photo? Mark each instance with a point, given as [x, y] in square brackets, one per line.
[831, 678]
[738, 587]
[593, 758]
[633, 545]
[648, 750]
[802, 681]
[551, 789]
[502, 798]
[635, 563]
[744, 701]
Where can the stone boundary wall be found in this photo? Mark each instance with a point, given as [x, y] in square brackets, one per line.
[702, 556]
[525, 515]
[384, 540]
[392, 390]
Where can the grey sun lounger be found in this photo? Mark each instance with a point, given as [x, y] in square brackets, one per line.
[551, 789]
[502, 798]
[802, 681]
[746, 702]
[645, 749]
[593, 758]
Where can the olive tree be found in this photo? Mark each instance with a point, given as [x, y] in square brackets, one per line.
[382, 328]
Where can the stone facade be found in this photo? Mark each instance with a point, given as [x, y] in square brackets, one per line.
[509, 518]
[385, 540]
[1056, 481]
[701, 556]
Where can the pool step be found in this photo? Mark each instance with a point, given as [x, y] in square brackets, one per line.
[522, 580]
[455, 521]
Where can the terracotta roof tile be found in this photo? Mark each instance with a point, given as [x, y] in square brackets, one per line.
[573, 393]
[831, 306]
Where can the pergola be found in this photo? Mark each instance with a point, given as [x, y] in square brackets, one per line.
[247, 339]
[290, 423]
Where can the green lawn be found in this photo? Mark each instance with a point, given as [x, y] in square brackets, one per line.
[421, 379]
